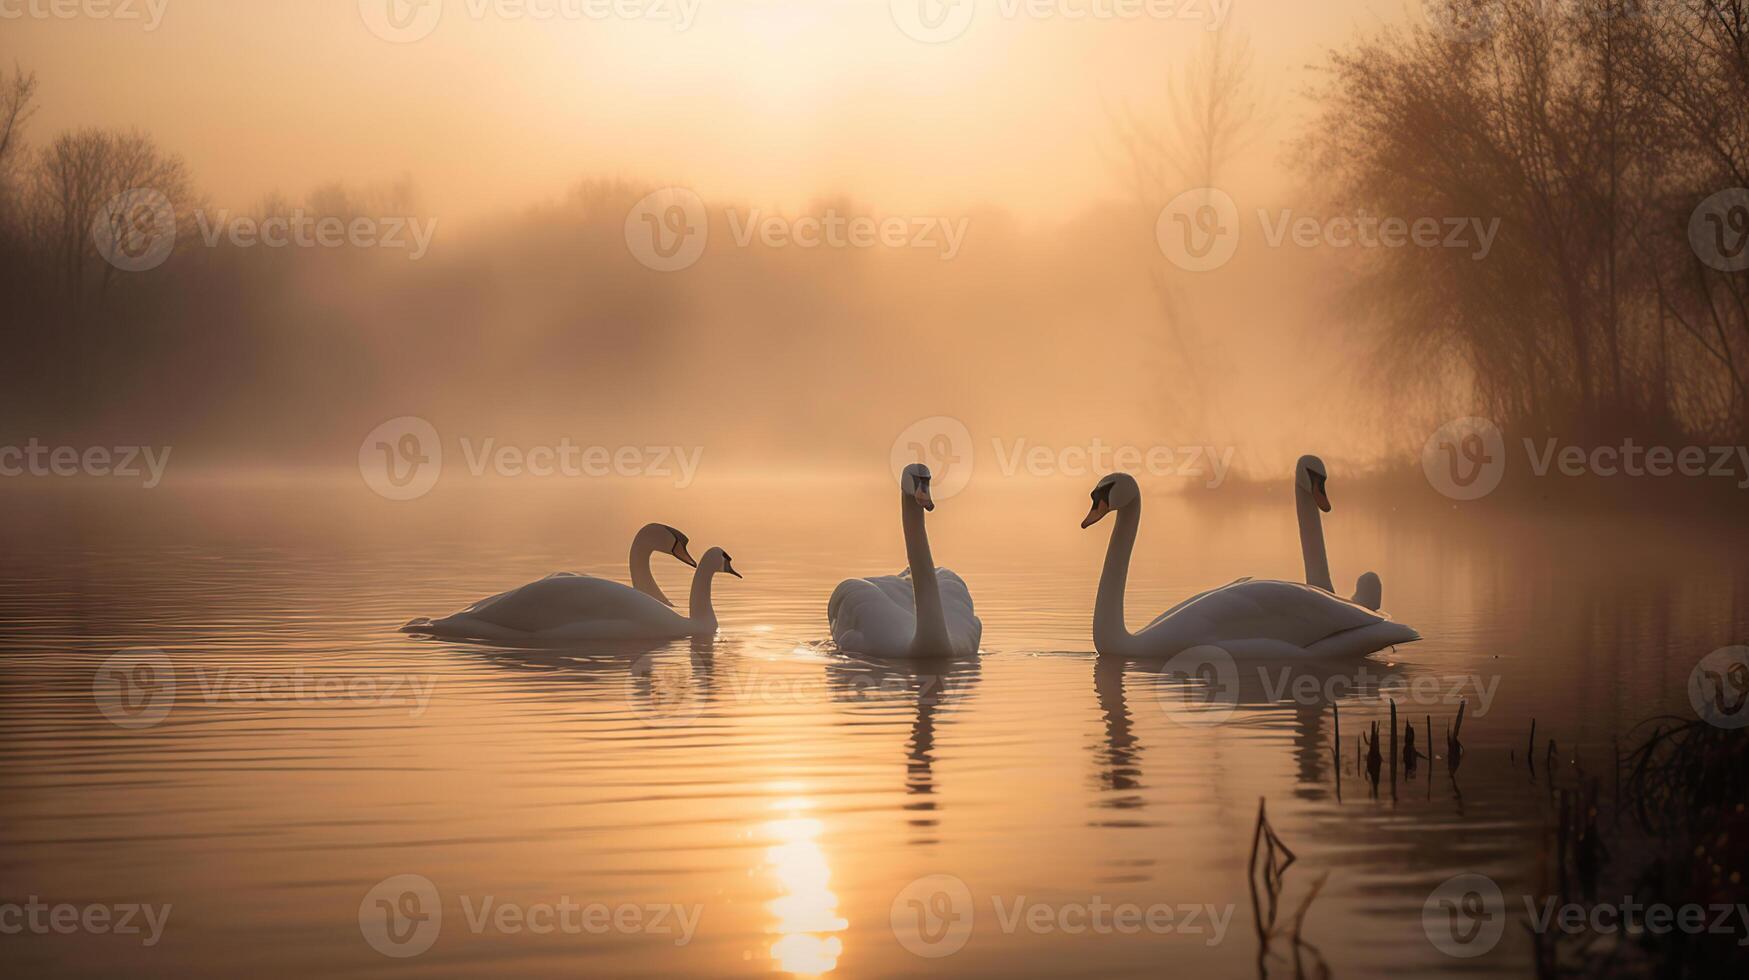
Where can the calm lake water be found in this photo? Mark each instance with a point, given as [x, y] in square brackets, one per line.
[769, 799]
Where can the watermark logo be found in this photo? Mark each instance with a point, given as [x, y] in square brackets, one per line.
[401, 21]
[667, 229]
[401, 916]
[135, 231]
[1199, 229]
[943, 444]
[933, 21]
[933, 916]
[1465, 916]
[135, 688]
[1199, 687]
[664, 693]
[1718, 687]
[1465, 458]
[1718, 231]
[402, 458]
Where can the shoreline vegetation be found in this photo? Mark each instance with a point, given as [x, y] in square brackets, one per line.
[1661, 825]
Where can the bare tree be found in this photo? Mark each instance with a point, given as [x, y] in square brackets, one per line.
[1592, 132]
[85, 174]
[1212, 108]
[17, 98]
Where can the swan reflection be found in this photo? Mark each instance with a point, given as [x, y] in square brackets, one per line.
[933, 687]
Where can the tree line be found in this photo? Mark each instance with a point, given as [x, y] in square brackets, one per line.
[1611, 138]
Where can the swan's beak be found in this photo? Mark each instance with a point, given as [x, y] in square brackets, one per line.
[730, 569]
[680, 553]
[923, 501]
[1100, 509]
[1322, 501]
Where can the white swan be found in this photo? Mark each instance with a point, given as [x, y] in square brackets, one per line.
[650, 539]
[1249, 619]
[1310, 498]
[923, 611]
[566, 607]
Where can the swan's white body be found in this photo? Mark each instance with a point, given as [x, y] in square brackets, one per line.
[565, 607]
[1248, 618]
[1309, 500]
[923, 611]
[877, 616]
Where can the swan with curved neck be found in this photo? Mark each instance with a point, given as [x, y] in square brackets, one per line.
[650, 539]
[923, 611]
[562, 608]
[1249, 618]
[1311, 501]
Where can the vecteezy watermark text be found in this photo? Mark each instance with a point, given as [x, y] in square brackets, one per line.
[834, 230]
[939, 21]
[1465, 917]
[406, 21]
[402, 916]
[1205, 685]
[667, 230]
[137, 688]
[41, 918]
[946, 446]
[148, 12]
[1465, 459]
[402, 459]
[670, 693]
[934, 916]
[302, 230]
[138, 230]
[121, 462]
[1199, 230]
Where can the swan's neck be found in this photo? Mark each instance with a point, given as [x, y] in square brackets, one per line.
[1312, 540]
[702, 615]
[643, 546]
[926, 592]
[1109, 633]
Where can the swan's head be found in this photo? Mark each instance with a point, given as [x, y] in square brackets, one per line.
[670, 540]
[1115, 492]
[1310, 476]
[717, 560]
[914, 483]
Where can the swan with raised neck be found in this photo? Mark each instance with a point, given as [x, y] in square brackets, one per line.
[651, 539]
[1248, 618]
[1311, 501]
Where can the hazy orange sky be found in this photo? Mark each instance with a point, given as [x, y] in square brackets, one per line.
[769, 101]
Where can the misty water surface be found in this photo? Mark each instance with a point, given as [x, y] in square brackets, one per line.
[786, 792]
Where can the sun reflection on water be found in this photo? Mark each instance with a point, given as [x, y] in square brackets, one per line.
[806, 910]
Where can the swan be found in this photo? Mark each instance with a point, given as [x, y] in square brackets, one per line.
[650, 539]
[1249, 618]
[1310, 498]
[923, 611]
[566, 607]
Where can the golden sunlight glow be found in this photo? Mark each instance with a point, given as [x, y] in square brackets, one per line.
[806, 911]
